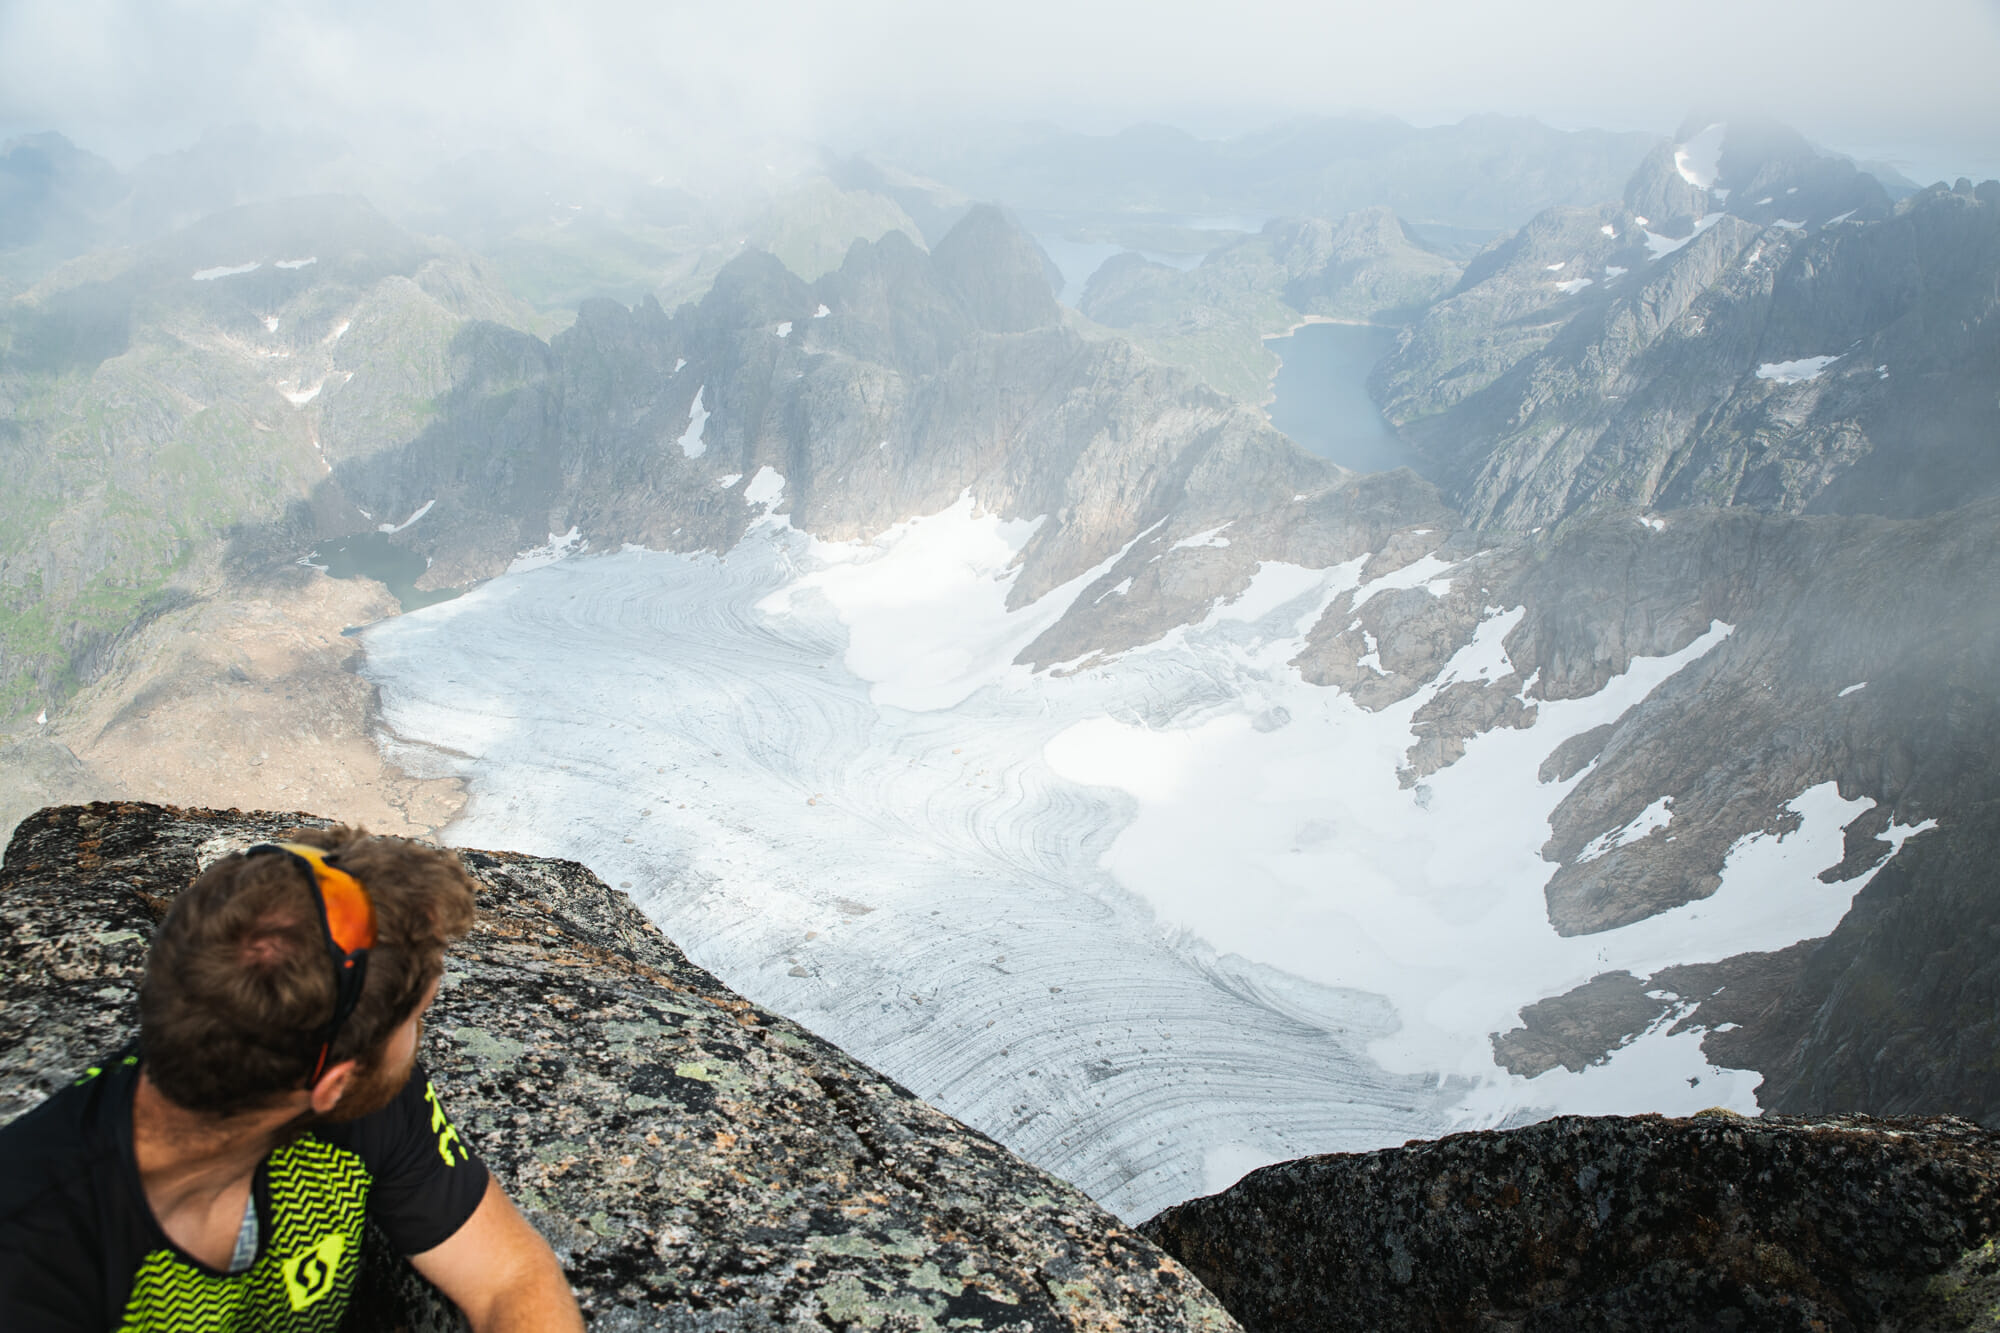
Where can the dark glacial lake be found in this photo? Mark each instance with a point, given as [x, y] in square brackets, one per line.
[1320, 396]
[371, 555]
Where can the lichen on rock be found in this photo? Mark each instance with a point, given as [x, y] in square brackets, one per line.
[1635, 1223]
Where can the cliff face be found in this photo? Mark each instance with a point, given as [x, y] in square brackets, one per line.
[698, 1163]
[1639, 1224]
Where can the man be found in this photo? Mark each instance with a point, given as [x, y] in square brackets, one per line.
[218, 1177]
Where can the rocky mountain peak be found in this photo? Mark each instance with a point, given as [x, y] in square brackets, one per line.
[995, 269]
[1759, 169]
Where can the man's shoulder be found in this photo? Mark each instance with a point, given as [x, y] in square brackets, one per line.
[413, 1124]
[59, 1150]
[425, 1179]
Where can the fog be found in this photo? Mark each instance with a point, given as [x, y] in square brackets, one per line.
[679, 89]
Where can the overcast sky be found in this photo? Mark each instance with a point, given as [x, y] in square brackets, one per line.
[638, 81]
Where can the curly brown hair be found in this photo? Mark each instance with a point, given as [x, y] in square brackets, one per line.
[238, 983]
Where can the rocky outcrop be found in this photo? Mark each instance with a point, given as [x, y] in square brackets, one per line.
[698, 1163]
[1640, 1224]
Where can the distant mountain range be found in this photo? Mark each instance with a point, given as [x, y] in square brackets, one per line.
[1483, 172]
[1214, 318]
[1752, 324]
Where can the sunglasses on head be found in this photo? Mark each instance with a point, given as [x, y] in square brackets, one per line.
[346, 923]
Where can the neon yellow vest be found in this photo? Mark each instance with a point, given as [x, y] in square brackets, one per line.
[302, 1280]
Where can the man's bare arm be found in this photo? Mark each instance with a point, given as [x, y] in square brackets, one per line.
[501, 1273]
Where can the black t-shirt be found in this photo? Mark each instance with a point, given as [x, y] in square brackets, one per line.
[80, 1250]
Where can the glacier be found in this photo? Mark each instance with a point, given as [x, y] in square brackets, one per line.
[1151, 921]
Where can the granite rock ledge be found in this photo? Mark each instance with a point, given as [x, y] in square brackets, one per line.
[1715, 1222]
[697, 1162]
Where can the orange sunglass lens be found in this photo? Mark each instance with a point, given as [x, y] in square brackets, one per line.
[350, 917]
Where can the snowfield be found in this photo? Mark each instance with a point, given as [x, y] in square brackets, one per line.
[1150, 924]
[691, 442]
[1795, 372]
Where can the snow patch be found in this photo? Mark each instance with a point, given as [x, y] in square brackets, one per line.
[691, 442]
[1841, 217]
[1788, 224]
[1795, 372]
[225, 271]
[1118, 589]
[1613, 271]
[680, 363]
[338, 330]
[1658, 815]
[297, 263]
[727, 480]
[764, 488]
[270, 323]
[1662, 246]
[1574, 285]
[422, 509]
[1855, 688]
[300, 397]
[1608, 229]
[1557, 267]
[1650, 521]
[557, 547]
[1424, 572]
[822, 312]
[1226, 1163]
[1213, 537]
[1372, 658]
[1696, 160]
[785, 329]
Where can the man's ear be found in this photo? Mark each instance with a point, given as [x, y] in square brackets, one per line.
[332, 1085]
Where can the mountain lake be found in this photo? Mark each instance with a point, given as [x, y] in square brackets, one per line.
[371, 555]
[1319, 397]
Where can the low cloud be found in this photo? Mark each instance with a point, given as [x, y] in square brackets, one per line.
[649, 83]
